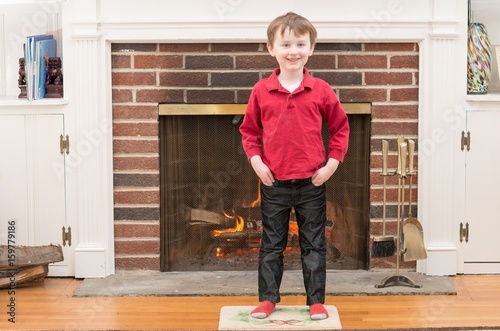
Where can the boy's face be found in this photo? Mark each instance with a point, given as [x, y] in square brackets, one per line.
[291, 51]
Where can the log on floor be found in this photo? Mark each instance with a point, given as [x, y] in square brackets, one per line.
[18, 257]
[15, 278]
[25, 264]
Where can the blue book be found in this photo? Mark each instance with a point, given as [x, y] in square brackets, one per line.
[30, 57]
[44, 49]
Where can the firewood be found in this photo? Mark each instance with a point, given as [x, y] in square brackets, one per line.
[19, 257]
[12, 279]
[207, 216]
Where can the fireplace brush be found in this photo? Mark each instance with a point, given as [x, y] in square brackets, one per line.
[383, 246]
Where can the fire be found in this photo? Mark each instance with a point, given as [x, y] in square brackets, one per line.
[239, 226]
[256, 202]
[242, 236]
[293, 227]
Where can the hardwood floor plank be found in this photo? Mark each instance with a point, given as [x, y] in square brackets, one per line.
[51, 305]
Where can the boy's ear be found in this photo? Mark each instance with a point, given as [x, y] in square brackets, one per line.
[270, 49]
[312, 50]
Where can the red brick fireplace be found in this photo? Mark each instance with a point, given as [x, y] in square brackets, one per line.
[146, 74]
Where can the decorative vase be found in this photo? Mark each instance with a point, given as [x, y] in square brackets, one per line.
[478, 59]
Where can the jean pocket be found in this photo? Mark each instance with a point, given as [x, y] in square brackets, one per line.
[316, 185]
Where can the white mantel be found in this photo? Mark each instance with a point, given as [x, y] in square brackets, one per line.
[90, 26]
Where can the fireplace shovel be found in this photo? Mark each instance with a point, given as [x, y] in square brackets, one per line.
[413, 233]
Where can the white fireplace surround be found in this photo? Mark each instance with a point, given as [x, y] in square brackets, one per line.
[439, 27]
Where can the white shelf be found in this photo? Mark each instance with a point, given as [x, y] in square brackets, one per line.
[29, 2]
[483, 102]
[15, 106]
[492, 96]
[14, 101]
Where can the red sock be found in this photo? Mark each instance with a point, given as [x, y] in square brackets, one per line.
[318, 311]
[264, 309]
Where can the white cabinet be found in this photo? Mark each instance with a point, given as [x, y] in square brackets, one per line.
[33, 183]
[33, 179]
[480, 250]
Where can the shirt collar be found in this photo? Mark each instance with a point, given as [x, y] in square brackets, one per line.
[274, 84]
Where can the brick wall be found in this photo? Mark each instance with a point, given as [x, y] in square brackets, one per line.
[145, 74]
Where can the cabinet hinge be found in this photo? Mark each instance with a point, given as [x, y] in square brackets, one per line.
[464, 232]
[64, 144]
[465, 141]
[66, 236]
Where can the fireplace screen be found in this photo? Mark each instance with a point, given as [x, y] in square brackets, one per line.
[210, 201]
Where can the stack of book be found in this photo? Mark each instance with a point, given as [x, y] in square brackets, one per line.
[38, 49]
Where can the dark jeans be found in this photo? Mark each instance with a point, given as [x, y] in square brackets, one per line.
[309, 202]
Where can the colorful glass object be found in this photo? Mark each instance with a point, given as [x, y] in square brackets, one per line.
[478, 59]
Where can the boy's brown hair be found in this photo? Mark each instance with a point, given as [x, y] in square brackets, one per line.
[299, 25]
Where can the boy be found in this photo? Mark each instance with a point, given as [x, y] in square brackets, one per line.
[281, 135]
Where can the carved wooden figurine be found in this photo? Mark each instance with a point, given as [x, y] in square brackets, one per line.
[21, 82]
[54, 82]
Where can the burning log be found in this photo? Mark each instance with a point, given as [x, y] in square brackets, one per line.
[206, 216]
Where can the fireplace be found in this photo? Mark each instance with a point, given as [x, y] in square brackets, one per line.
[210, 203]
[402, 57]
[377, 83]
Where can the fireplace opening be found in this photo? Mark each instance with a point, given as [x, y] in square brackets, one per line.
[210, 199]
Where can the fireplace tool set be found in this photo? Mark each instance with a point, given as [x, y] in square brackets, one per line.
[408, 242]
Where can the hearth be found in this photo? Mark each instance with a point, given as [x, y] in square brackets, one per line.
[210, 200]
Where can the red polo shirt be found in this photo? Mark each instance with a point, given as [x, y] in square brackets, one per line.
[285, 128]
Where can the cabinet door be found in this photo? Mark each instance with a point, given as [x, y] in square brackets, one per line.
[481, 254]
[32, 182]
[14, 179]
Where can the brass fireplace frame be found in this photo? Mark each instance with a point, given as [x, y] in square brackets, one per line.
[359, 231]
[170, 109]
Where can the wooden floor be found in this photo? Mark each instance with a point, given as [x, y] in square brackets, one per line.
[50, 305]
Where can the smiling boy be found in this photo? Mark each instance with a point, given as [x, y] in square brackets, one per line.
[282, 138]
